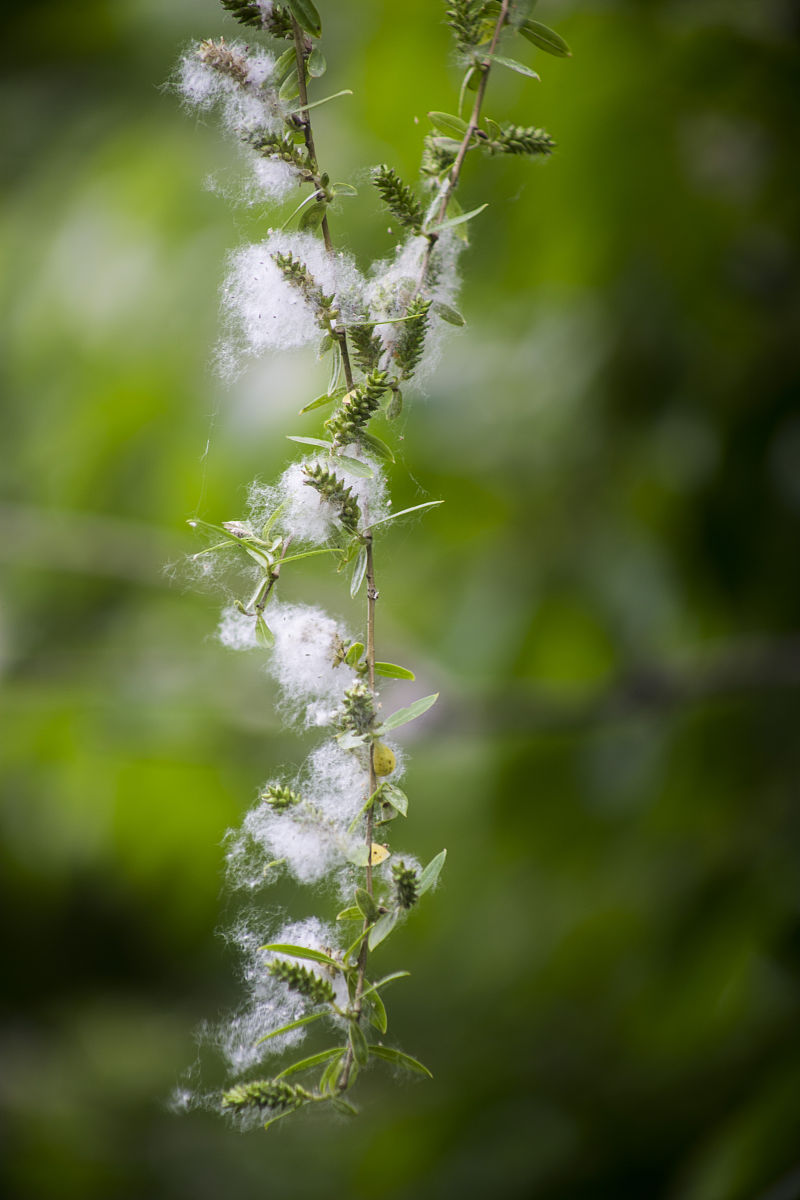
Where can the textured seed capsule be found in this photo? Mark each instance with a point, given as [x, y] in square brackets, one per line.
[383, 759]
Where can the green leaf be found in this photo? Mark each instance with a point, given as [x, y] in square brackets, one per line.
[292, 1025]
[306, 16]
[451, 315]
[286, 63]
[393, 671]
[290, 88]
[313, 1060]
[354, 653]
[452, 221]
[317, 65]
[381, 929]
[344, 189]
[377, 1016]
[431, 873]
[448, 124]
[359, 1044]
[321, 401]
[327, 1080]
[378, 447]
[350, 914]
[306, 554]
[308, 441]
[546, 39]
[395, 405]
[324, 100]
[355, 466]
[312, 217]
[358, 856]
[367, 905]
[344, 1106]
[264, 635]
[374, 987]
[396, 797]
[302, 952]
[403, 513]
[513, 65]
[404, 715]
[359, 571]
[399, 1059]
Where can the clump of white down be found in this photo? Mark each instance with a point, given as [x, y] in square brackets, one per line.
[246, 107]
[302, 659]
[270, 1004]
[393, 283]
[310, 839]
[305, 515]
[265, 311]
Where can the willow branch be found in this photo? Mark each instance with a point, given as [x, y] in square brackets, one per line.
[308, 134]
[473, 124]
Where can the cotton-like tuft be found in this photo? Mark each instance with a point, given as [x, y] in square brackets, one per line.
[265, 311]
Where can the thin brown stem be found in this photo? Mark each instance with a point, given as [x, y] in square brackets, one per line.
[474, 122]
[300, 57]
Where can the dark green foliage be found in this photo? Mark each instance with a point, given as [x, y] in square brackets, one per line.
[521, 139]
[367, 347]
[465, 19]
[278, 22]
[350, 419]
[263, 1093]
[411, 343]
[358, 709]
[406, 885]
[297, 273]
[303, 980]
[273, 145]
[398, 198]
[280, 798]
[333, 489]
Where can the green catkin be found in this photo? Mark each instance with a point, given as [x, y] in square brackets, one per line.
[366, 347]
[465, 19]
[284, 149]
[358, 710]
[264, 1093]
[521, 139]
[406, 885]
[297, 273]
[278, 23]
[398, 198]
[349, 420]
[333, 489]
[280, 798]
[302, 980]
[411, 343]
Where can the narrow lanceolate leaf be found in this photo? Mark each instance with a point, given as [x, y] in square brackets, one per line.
[399, 1059]
[264, 635]
[292, 1025]
[350, 914]
[448, 124]
[378, 447]
[546, 39]
[344, 1106]
[367, 905]
[393, 671]
[303, 952]
[404, 715]
[354, 466]
[396, 797]
[313, 1060]
[359, 571]
[317, 65]
[377, 1013]
[451, 315]
[431, 873]
[328, 1078]
[513, 65]
[309, 441]
[374, 987]
[359, 1044]
[404, 513]
[306, 16]
[381, 929]
[452, 221]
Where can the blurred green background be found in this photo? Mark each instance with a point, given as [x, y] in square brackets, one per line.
[607, 985]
